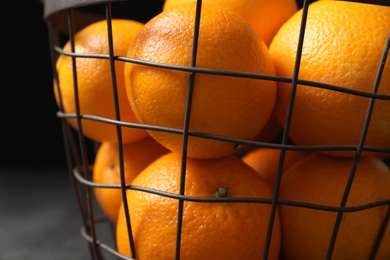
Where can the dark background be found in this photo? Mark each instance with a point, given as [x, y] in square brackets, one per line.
[31, 133]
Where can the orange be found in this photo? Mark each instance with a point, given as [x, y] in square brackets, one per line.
[106, 170]
[343, 46]
[219, 230]
[265, 16]
[235, 107]
[265, 161]
[95, 83]
[320, 179]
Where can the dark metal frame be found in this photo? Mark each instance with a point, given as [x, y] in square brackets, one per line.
[60, 14]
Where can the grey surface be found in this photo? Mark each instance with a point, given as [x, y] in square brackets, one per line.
[39, 217]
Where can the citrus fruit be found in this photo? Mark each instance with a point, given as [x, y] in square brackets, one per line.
[343, 45]
[210, 230]
[265, 16]
[321, 179]
[106, 170]
[95, 94]
[265, 161]
[229, 106]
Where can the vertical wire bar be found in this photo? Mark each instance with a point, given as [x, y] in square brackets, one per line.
[118, 127]
[381, 234]
[69, 142]
[82, 143]
[387, 219]
[68, 138]
[359, 149]
[285, 134]
[186, 128]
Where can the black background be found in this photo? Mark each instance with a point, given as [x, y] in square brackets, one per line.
[31, 134]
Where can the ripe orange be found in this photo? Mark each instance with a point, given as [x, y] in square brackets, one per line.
[343, 45]
[265, 16]
[209, 230]
[106, 170]
[235, 107]
[265, 161]
[321, 179]
[94, 80]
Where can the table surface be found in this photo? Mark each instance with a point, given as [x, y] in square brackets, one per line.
[39, 217]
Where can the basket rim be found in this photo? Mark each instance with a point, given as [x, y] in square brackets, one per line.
[54, 6]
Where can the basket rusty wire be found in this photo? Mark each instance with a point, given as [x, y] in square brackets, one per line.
[64, 19]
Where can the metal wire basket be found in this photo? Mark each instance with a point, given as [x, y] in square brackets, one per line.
[64, 19]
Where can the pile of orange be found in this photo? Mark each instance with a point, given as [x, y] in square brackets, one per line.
[342, 46]
[215, 116]
[264, 16]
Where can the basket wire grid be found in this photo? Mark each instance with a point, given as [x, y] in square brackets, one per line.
[64, 18]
